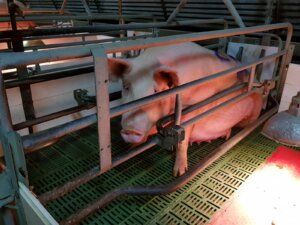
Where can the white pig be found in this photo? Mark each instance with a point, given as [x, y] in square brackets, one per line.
[162, 68]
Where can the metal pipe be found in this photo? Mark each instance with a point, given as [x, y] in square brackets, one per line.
[88, 42]
[38, 140]
[35, 141]
[174, 185]
[101, 28]
[94, 172]
[86, 8]
[191, 108]
[63, 6]
[118, 110]
[195, 119]
[5, 119]
[10, 60]
[73, 17]
[173, 15]
[234, 13]
[52, 75]
[178, 109]
[51, 116]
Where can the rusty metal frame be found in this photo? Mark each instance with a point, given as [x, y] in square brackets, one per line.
[15, 59]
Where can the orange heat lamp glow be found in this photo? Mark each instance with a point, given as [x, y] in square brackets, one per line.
[270, 196]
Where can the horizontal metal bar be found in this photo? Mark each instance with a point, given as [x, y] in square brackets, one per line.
[118, 110]
[174, 185]
[51, 116]
[11, 60]
[87, 42]
[163, 121]
[216, 108]
[101, 28]
[38, 140]
[35, 141]
[74, 17]
[94, 172]
[52, 75]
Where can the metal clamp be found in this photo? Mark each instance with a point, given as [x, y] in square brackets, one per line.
[171, 136]
[82, 98]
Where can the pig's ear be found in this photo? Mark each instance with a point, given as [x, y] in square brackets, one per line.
[117, 68]
[167, 76]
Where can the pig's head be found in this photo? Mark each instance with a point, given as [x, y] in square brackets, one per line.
[140, 80]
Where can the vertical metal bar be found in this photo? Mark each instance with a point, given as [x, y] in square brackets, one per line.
[178, 109]
[286, 60]
[63, 6]
[86, 8]
[251, 77]
[103, 116]
[234, 13]
[163, 7]
[181, 4]
[5, 117]
[17, 43]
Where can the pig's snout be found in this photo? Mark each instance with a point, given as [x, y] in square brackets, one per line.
[132, 136]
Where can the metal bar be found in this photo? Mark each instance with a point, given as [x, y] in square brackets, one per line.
[101, 28]
[173, 15]
[51, 116]
[86, 7]
[164, 10]
[174, 185]
[74, 17]
[12, 59]
[63, 6]
[251, 77]
[102, 98]
[40, 139]
[5, 119]
[94, 172]
[118, 110]
[17, 43]
[52, 75]
[209, 100]
[234, 13]
[178, 109]
[216, 108]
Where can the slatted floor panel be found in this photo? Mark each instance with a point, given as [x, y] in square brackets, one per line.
[195, 203]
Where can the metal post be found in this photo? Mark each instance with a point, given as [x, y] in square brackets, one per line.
[86, 7]
[17, 43]
[181, 4]
[251, 77]
[63, 6]
[234, 13]
[103, 115]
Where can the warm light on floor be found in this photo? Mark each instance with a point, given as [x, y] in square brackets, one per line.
[270, 196]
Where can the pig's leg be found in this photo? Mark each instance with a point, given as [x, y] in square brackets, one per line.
[181, 161]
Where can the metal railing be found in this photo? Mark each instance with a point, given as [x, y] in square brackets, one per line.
[104, 113]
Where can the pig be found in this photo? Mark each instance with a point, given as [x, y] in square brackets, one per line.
[161, 68]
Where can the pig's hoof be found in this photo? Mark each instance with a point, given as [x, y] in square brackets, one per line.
[179, 170]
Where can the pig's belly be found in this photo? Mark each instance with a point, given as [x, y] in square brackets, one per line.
[219, 124]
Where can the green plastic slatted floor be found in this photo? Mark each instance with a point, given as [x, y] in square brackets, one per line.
[195, 203]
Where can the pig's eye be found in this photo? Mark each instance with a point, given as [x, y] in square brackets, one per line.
[155, 90]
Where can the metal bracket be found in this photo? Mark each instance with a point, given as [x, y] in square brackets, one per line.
[171, 136]
[82, 98]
